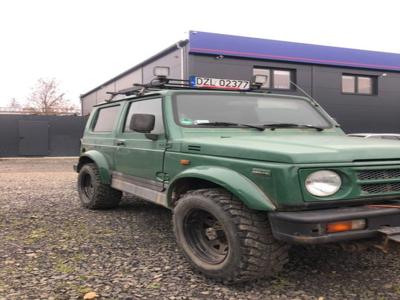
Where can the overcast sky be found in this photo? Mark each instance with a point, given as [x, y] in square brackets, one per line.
[84, 43]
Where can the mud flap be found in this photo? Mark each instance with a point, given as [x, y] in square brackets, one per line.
[388, 234]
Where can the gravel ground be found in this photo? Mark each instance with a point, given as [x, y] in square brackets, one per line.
[51, 248]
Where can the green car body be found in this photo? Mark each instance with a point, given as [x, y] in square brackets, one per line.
[265, 169]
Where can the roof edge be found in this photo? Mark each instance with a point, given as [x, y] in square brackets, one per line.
[268, 49]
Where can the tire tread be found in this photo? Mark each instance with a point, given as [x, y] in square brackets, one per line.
[262, 255]
[105, 196]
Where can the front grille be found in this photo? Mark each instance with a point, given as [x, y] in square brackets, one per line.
[382, 180]
[378, 174]
[377, 188]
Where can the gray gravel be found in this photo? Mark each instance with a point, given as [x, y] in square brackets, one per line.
[51, 248]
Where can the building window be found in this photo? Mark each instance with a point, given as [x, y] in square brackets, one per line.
[105, 120]
[348, 84]
[277, 78]
[358, 84]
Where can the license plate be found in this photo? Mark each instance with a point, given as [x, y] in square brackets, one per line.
[215, 83]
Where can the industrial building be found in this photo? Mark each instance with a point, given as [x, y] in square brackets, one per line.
[359, 88]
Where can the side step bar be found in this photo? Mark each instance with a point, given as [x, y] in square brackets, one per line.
[126, 184]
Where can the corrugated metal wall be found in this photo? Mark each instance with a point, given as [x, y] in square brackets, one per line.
[54, 135]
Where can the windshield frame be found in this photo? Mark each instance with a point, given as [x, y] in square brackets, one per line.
[315, 106]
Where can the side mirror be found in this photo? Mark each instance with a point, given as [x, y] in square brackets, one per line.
[143, 123]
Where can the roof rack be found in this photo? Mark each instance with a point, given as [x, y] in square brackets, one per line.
[162, 82]
[158, 83]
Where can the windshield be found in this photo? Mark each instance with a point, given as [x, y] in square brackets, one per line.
[191, 110]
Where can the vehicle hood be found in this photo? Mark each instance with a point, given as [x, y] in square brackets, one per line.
[297, 149]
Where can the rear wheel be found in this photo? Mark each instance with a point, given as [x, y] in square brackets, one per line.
[224, 239]
[93, 193]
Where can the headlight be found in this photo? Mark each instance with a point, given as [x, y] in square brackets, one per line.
[323, 183]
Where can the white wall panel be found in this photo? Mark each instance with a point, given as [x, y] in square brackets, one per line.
[172, 60]
[128, 80]
[102, 93]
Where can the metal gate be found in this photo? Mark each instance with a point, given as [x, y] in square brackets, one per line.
[33, 138]
[36, 135]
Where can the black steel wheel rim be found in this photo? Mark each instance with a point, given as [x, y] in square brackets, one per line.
[206, 236]
[87, 185]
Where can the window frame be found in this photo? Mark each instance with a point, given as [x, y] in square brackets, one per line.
[374, 84]
[292, 77]
[122, 131]
[178, 123]
[96, 118]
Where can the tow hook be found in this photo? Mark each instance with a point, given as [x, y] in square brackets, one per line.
[389, 234]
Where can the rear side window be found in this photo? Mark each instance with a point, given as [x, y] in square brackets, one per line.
[105, 120]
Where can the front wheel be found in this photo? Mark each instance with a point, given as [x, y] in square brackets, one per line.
[93, 193]
[224, 239]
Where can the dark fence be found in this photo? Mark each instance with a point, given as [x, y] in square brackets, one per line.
[32, 135]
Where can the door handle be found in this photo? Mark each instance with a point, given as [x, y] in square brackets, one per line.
[120, 143]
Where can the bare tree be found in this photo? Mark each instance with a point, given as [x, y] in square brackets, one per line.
[47, 99]
[14, 104]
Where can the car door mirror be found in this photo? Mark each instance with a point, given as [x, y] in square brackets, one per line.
[143, 123]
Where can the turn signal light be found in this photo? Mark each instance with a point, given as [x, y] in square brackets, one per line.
[345, 226]
[184, 162]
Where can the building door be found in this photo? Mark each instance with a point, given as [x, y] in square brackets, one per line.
[33, 138]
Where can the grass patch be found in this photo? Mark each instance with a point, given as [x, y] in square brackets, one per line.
[83, 289]
[35, 235]
[83, 277]
[105, 232]
[64, 267]
[280, 284]
[396, 289]
[154, 285]
[78, 257]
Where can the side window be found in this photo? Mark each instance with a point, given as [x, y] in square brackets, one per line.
[106, 118]
[152, 107]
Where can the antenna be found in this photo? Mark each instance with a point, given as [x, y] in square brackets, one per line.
[313, 100]
[304, 92]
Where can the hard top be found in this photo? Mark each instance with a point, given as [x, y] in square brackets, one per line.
[171, 91]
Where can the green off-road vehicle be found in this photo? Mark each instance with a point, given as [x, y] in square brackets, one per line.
[246, 173]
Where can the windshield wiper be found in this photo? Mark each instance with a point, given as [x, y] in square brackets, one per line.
[291, 125]
[216, 123]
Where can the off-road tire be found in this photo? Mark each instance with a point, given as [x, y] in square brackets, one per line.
[252, 250]
[103, 196]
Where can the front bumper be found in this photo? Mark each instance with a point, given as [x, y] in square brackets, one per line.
[309, 227]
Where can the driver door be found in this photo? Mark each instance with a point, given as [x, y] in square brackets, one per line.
[138, 159]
